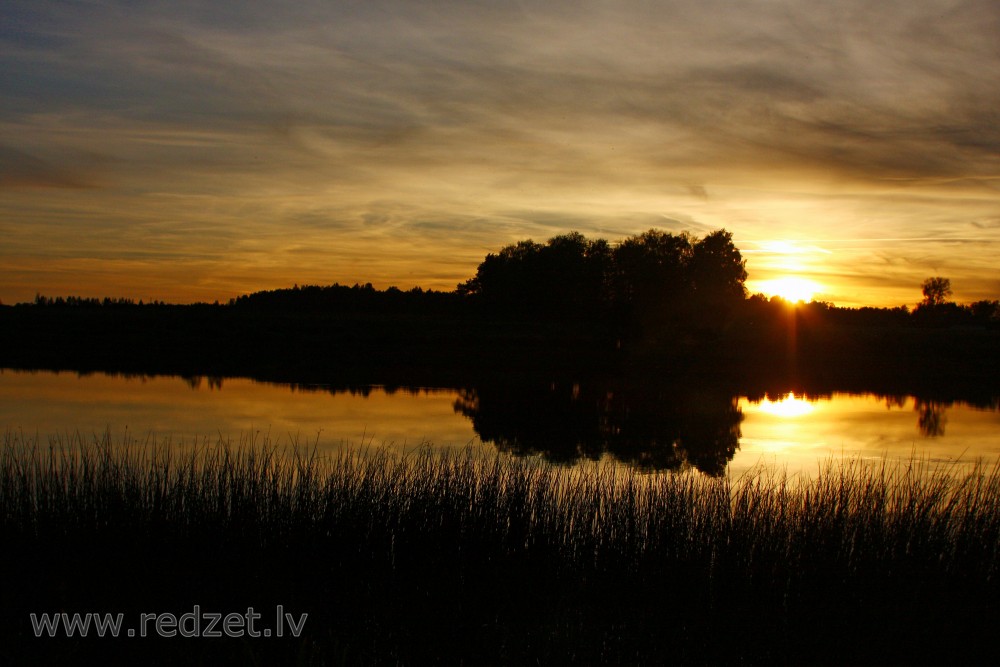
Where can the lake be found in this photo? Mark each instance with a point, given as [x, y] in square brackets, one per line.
[660, 428]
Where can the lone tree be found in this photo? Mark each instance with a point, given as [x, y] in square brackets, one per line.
[936, 291]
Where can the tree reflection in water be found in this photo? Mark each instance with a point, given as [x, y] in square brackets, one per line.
[653, 428]
[931, 417]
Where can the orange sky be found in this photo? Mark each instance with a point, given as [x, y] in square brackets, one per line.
[197, 151]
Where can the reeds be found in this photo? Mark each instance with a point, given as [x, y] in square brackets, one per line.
[487, 559]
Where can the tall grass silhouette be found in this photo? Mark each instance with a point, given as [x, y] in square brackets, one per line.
[438, 557]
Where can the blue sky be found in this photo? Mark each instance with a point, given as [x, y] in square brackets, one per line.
[196, 151]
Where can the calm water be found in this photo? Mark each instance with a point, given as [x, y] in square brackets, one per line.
[559, 422]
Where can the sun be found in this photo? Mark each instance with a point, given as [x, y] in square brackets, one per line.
[790, 288]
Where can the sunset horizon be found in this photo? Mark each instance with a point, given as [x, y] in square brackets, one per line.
[185, 153]
[500, 332]
[789, 285]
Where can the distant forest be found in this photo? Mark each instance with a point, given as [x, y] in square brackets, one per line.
[653, 280]
[571, 305]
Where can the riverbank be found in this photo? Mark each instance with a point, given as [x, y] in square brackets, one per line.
[789, 348]
[496, 560]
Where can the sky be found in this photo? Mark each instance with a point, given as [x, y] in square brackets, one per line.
[196, 151]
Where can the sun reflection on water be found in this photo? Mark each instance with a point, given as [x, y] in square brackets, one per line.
[788, 406]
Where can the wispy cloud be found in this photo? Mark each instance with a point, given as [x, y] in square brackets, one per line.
[363, 130]
[21, 170]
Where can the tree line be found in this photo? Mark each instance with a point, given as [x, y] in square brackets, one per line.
[653, 284]
[90, 302]
[652, 303]
[651, 280]
[654, 279]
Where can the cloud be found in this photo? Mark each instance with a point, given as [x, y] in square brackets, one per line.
[461, 126]
[21, 170]
[539, 93]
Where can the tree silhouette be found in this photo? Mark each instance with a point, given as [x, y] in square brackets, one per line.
[985, 312]
[718, 272]
[563, 278]
[936, 291]
[653, 288]
[650, 279]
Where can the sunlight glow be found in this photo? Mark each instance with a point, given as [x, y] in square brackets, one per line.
[788, 406]
[790, 288]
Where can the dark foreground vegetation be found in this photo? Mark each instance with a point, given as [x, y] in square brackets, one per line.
[461, 559]
[654, 304]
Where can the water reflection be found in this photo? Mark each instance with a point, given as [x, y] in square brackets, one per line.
[659, 428]
[932, 418]
[650, 425]
[198, 409]
[194, 381]
[787, 406]
[798, 431]
[931, 414]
